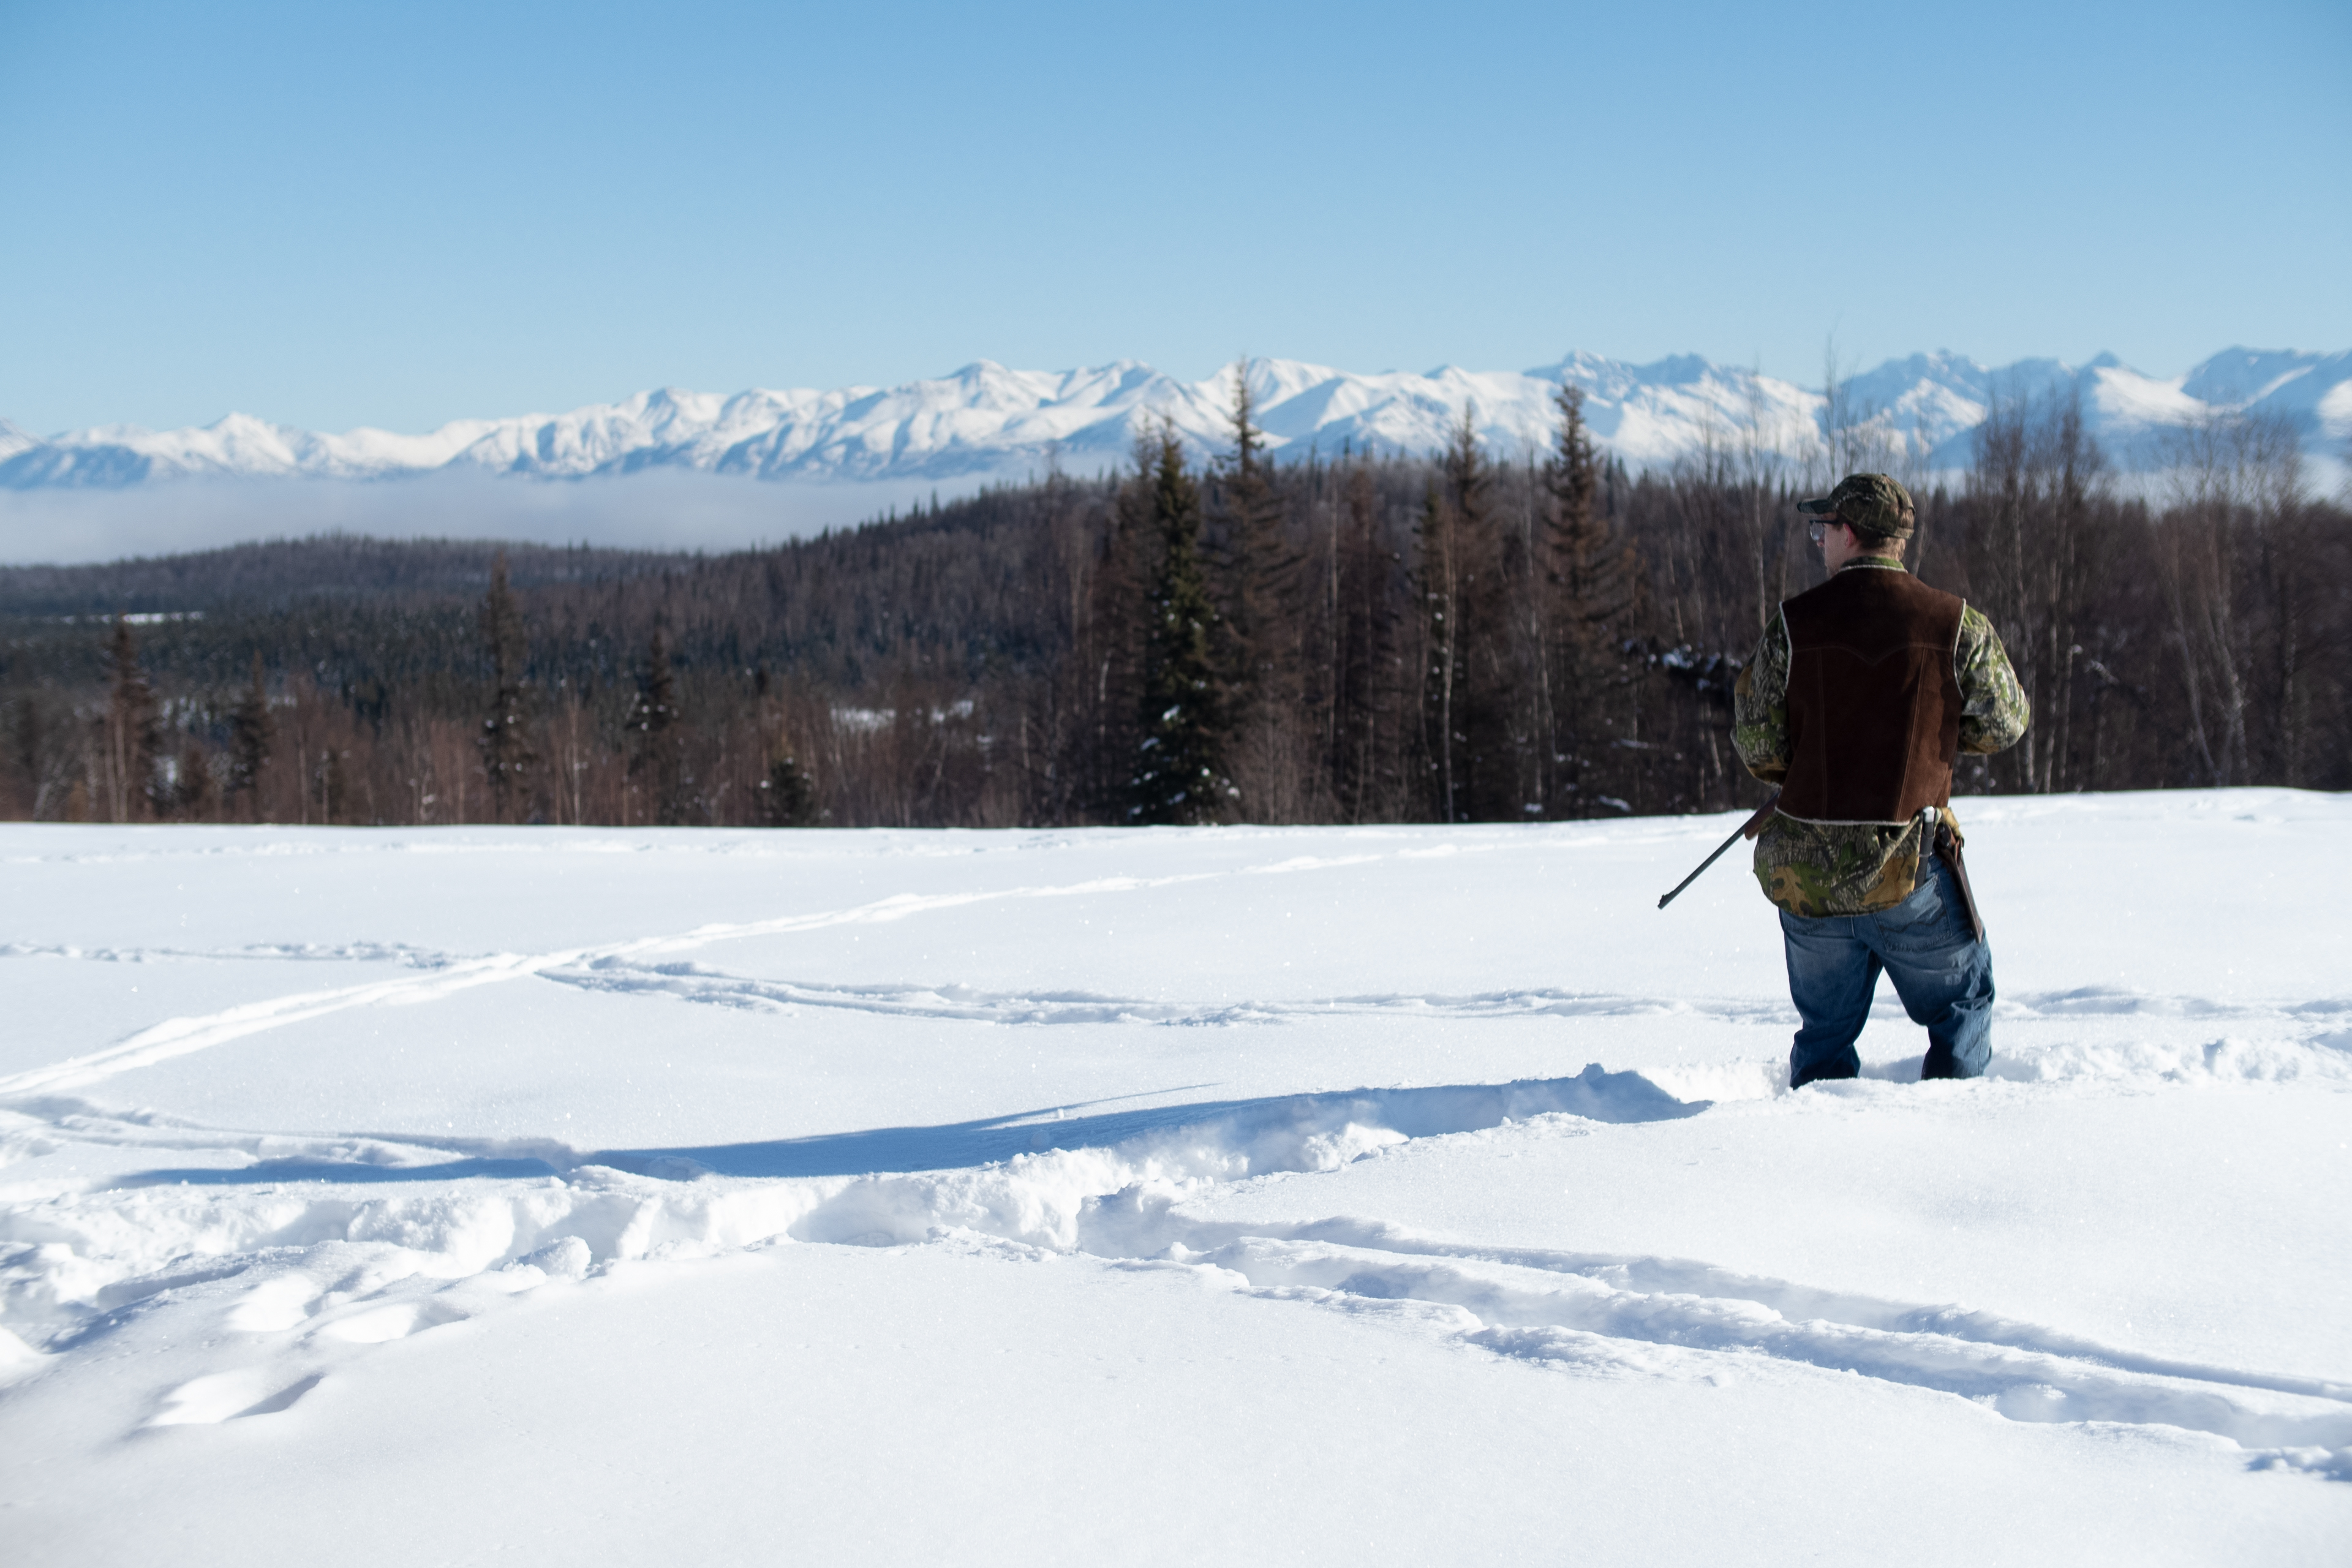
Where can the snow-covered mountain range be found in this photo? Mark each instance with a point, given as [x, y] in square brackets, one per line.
[986, 419]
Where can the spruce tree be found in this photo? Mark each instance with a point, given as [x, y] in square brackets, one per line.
[1106, 663]
[251, 735]
[1261, 599]
[334, 793]
[507, 761]
[654, 753]
[1464, 640]
[1594, 581]
[191, 783]
[788, 795]
[1363, 664]
[1179, 772]
[133, 735]
[1437, 582]
[1486, 672]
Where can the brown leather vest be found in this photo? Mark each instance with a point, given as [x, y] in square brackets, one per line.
[1873, 698]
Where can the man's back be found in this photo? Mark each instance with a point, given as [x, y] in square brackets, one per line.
[1873, 698]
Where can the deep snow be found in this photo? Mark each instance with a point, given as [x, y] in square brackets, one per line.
[450, 1194]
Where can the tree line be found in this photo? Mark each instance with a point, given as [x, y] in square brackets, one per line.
[1460, 636]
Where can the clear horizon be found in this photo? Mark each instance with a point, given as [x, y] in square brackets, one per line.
[394, 218]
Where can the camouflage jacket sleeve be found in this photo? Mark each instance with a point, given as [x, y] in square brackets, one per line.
[1759, 706]
[1993, 710]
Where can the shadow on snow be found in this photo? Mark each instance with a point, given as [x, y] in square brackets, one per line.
[1593, 1094]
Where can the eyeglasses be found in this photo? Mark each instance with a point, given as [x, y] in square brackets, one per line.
[1821, 526]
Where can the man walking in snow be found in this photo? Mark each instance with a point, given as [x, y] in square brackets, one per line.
[1859, 698]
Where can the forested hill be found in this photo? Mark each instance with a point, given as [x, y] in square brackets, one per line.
[1378, 639]
[282, 573]
[950, 586]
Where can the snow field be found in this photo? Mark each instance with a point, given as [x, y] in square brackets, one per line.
[333, 1131]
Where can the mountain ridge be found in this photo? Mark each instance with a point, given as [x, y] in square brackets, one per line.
[986, 419]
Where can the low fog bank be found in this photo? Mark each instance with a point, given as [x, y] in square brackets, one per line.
[671, 509]
[662, 509]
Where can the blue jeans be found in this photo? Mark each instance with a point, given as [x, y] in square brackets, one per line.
[1941, 971]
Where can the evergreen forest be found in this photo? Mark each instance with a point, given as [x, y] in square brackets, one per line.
[1460, 636]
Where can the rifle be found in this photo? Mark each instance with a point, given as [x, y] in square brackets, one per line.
[1748, 829]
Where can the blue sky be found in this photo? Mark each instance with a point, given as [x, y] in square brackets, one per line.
[335, 214]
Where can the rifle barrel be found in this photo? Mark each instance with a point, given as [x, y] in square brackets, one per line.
[1744, 830]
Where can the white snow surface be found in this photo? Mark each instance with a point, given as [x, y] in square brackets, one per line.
[988, 421]
[1401, 1193]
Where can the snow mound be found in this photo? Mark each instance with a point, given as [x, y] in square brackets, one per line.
[318, 1256]
[438, 1213]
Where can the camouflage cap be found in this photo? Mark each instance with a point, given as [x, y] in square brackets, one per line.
[1873, 502]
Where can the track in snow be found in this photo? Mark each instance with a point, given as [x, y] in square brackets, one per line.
[638, 968]
[316, 1254]
[322, 1247]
